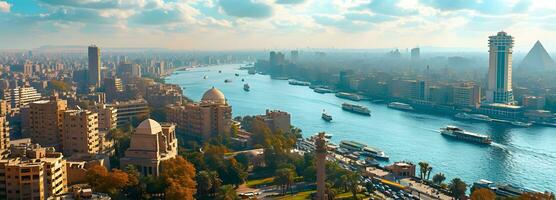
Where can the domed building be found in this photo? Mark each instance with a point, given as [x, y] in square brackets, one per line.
[151, 143]
[209, 117]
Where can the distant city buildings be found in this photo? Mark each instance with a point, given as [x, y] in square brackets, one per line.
[151, 143]
[500, 69]
[94, 66]
[128, 111]
[210, 117]
[20, 96]
[415, 53]
[276, 120]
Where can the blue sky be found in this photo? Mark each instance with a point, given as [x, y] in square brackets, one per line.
[269, 24]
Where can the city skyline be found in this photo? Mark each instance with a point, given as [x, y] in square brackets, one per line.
[266, 24]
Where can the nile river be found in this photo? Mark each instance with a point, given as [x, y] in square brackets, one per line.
[519, 156]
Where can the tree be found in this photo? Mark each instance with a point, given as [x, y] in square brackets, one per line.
[108, 182]
[204, 184]
[284, 178]
[353, 183]
[483, 194]
[95, 176]
[457, 187]
[227, 192]
[179, 175]
[537, 196]
[438, 178]
[425, 170]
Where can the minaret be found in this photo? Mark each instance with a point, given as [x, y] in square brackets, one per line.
[320, 144]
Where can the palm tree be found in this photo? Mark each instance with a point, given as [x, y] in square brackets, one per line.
[438, 178]
[227, 192]
[285, 178]
[457, 188]
[425, 170]
[353, 183]
[216, 182]
[204, 184]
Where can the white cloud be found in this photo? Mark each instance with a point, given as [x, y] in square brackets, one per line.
[5, 7]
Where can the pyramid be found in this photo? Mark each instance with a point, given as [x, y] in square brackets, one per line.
[537, 60]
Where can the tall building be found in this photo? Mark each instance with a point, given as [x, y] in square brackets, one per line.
[212, 116]
[32, 172]
[128, 111]
[467, 95]
[150, 144]
[80, 132]
[107, 117]
[4, 135]
[415, 53]
[113, 88]
[94, 66]
[45, 121]
[294, 56]
[500, 69]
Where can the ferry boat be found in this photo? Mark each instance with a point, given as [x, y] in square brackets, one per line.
[246, 87]
[375, 153]
[227, 81]
[301, 83]
[352, 145]
[455, 132]
[400, 106]
[326, 117]
[350, 96]
[323, 90]
[359, 109]
[521, 124]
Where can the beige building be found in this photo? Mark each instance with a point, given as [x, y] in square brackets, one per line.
[80, 132]
[45, 121]
[467, 95]
[107, 117]
[127, 111]
[212, 116]
[151, 143]
[4, 135]
[32, 172]
[276, 120]
[20, 96]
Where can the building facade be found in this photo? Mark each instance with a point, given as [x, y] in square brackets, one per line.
[500, 69]
[45, 121]
[212, 116]
[467, 95]
[80, 132]
[151, 143]
[127, 111]
[20, 96]
[276, 120]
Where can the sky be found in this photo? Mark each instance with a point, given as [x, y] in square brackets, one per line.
[275, 24]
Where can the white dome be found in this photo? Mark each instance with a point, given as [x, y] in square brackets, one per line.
[214, 96]
[148, 127]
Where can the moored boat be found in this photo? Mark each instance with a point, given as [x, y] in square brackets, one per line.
[301, 83]
[323, 90]
[246, 87]
[227, 81]
[375, 153]
[400, 106]
[359, 109]
[352, 145]
[458, 133]
[350, 96]
[521, 124]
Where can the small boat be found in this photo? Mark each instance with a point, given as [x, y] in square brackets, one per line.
[521, 124]
[242, 80]
[301, 83]
[326, 117]
[219, 71]
[246, 87]
[236, 74]
[323, 90]
[227, 81]
[458, 133]
[205, 77]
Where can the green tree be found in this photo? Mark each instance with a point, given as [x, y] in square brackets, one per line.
[285, 178]
[438, 178]
[425, 170]
[227, 192]
[204, 184]
[483, 194]
[353, 181]
[457, 187]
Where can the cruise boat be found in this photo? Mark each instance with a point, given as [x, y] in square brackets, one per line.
[246, 87]
[352, 145]
[375, 153]
[521, 124]
[350, 96]
[359, 109]
[326, 117]
[455, 132]
[400, 106]
[323, 90]
[302, 83]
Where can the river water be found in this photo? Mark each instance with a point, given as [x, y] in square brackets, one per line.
[519, 156]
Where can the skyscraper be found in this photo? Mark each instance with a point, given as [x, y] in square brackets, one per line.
[94, 65]
[500, 69]
[415, 53]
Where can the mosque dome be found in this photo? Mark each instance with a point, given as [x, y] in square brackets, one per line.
[214, 96]
[148, 127]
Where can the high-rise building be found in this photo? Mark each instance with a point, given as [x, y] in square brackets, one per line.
[4, 135]
[150, 144]
[500, 69]
[127, 111]
[211, 117]
[294, 56]
[32, 172]
[45, 121]
[94, 66]
[107, 117]
[113, 88]
[415, 53]
[467, 95]
[80, 132]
